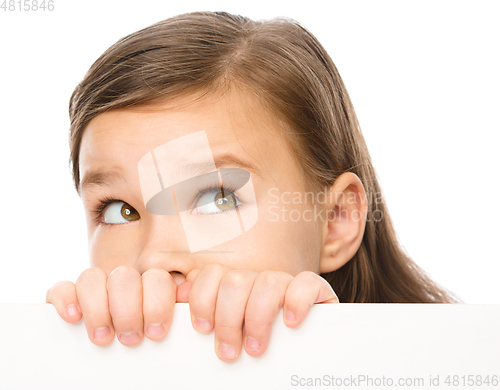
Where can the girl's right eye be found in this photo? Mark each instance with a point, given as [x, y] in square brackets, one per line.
[119, 212]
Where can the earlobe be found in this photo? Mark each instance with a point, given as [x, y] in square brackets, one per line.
[346, 210]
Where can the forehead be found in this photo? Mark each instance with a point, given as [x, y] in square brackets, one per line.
[236, 124]
[145, 127]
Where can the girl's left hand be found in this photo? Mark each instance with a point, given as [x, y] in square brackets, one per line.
[243, 303]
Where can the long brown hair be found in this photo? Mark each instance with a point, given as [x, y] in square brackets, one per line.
[292, 74]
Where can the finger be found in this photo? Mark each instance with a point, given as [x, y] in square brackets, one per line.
[125, 304]
[191, 276]
[178, 277]
[182, 290]
[63, 296]
[184, 287]
[203, 295]
[159, 290]
[306, 289]
[93, 299]
[234, 291]
[266, 298]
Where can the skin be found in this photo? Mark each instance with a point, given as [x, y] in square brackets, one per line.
[138, 272]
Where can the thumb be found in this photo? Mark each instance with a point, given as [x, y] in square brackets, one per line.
[183, 290]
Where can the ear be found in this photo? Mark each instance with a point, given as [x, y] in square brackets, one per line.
[346, 210]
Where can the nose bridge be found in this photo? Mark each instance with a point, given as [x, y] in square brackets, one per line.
[164, 245]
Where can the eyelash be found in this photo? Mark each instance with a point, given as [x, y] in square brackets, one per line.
[99, 210]
[106, 201]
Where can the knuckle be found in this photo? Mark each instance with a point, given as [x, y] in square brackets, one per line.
[257, 323]
[225, 329]
[157, 273]
[61, 294]
[60, 288]
[272, 285]
[234, 279]
[124, 320]
[123, 275]
[98, 315]
[309, 278]
[127, 320]
[294, 295]
[154, 283]
[269, 278]
[215, 267]
[124, 271]
[92, 274]
[155, 303]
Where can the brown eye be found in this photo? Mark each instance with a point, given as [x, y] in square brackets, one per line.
[225, 202]
[129, 213]
[120, 212]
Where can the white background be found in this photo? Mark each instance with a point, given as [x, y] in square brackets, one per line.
[344, 341]
[423, 77]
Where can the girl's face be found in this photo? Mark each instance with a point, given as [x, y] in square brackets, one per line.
[286, 237]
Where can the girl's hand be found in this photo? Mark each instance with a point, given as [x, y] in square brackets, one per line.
[126, 302]
[233, 302]
[131, 304]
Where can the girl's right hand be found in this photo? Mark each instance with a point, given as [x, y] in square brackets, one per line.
[109, 303]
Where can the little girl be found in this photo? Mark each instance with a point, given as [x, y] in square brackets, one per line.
[220, 163]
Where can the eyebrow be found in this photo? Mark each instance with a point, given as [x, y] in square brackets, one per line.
[100, 178]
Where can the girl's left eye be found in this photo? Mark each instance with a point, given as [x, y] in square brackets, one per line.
[120, 212]
[216, 201]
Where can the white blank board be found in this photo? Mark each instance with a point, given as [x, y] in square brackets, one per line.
[384, 343]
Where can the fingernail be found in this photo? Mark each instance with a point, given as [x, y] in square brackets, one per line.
[71, 310]
[227, 351]
[252, 344]
[202, 325]
[102, 333]
[289, 316]
[128, 337]
[155, 330]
